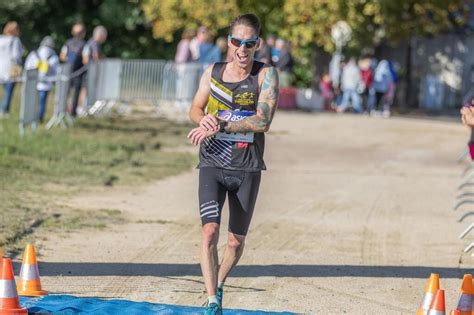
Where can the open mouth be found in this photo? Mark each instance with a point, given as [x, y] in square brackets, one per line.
[242, 57]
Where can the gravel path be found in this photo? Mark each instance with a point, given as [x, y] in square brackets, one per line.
[353, 215]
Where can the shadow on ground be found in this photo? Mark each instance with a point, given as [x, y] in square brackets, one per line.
[244, 271]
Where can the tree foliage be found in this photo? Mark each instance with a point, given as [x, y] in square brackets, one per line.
[307, 23]
[151, 28]
[170, 16]
[130, 33]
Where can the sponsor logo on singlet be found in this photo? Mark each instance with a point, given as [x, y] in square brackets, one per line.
[245, 99]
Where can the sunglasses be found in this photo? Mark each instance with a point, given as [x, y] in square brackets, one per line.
[248, 43]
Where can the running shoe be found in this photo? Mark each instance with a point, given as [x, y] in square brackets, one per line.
[220, 295]
[213, 309]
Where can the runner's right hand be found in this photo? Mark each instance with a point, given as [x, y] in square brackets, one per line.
[197, 135]
[209, 123]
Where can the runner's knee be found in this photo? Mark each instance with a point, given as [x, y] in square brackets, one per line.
[235, 242]
[210, 233]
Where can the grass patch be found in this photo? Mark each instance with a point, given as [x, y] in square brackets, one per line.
[74, 219]
[41, 166]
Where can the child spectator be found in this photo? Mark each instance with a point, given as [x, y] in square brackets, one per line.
[46, 61]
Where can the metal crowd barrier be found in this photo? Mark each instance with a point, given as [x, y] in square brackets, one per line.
[113, 81]
[127, 81]
[60, 115]
[29, 101]
[466, 198]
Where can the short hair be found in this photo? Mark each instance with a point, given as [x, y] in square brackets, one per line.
[78, 29]
[99, 31]
[11, 28]
[248, 19]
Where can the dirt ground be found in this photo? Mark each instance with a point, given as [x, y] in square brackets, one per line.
[353, 215]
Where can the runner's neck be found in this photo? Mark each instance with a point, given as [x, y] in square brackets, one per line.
[234, 73]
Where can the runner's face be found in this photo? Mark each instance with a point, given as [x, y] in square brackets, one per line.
[243, 55]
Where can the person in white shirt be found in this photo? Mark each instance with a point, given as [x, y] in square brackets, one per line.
[351, 82]
[46, 61]
[11, 51]
[200, 38]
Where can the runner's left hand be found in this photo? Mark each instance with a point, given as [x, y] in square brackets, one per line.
[197, 135]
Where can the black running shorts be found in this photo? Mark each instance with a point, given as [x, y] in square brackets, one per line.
[241, 187]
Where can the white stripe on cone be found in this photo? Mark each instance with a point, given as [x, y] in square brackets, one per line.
[427, 299]
[29, 272]
[8, 289]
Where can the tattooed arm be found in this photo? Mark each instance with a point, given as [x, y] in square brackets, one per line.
[266, 106]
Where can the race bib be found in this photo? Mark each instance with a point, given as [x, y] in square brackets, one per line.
[229, 116]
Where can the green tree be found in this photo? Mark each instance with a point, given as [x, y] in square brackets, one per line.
[169, 17]
[307, 23]
[406, 18]
[130, 34]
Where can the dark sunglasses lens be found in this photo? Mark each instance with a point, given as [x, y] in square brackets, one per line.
[250, 44]
[235, 42]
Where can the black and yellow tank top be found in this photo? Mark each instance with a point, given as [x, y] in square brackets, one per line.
[239, 100]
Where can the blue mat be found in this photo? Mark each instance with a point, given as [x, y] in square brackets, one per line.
[67, 304]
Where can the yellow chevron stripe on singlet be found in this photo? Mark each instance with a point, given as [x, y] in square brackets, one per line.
[214, 105]
[220, 86]
[221, 100]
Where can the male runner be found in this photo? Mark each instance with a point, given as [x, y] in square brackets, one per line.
[233, 107]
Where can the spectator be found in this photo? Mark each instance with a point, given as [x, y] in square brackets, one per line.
[390, 95]
[284, 63]
[71, 53]
[350, 82]
[183, 52]
[271, 41]
[467, 113]
[222, 43]
[264, 52]
[335, 70]
[91, 54]
[11, 51]
[367, 76]
[207, 55]
[46, 61]
[326, 91]
[219, 52]
[201, 37]
[276, 49]
[92, 51]
[383, 79]
[467, 118]
[182, 60]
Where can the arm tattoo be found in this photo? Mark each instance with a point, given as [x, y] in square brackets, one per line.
[267, 103]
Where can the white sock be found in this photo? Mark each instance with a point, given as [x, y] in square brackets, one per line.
[212, 299]
[220, 285]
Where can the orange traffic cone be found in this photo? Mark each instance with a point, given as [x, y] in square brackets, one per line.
[29, 283]
[438, 306]
[455, 312]
[432, 285]
[9, 302]
[466, 297]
